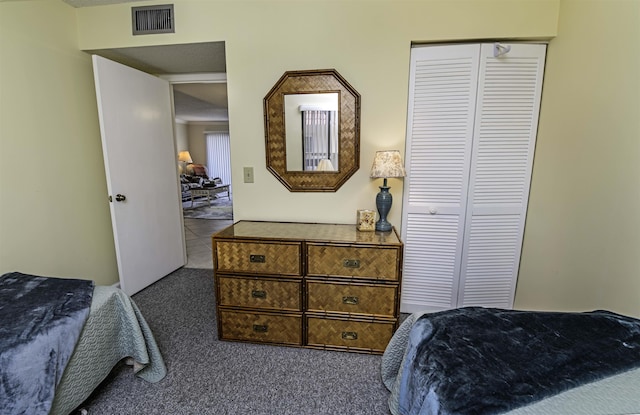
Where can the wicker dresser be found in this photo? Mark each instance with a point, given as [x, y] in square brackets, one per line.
[310, 285]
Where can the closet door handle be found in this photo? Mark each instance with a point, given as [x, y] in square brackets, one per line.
[433, 211]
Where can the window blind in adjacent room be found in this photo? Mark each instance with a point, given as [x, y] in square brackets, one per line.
[219, 156]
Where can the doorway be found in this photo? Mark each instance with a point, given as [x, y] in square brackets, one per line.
[203, 146]
[188, 67]
[202, 130]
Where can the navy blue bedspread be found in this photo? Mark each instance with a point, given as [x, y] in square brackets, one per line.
[488, 361]
[40, 322]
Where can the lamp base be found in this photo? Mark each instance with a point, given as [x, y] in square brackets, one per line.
[383, 203]
[383, 226]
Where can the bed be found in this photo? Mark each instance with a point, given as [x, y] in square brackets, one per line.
[476, 360]
[89, 329]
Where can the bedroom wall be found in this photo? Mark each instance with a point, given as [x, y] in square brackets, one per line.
[582, 242]
[182, 136]
[367, 42]
[54, 214]
[197, 141]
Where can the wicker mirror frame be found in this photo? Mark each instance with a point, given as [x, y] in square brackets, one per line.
[312, 82]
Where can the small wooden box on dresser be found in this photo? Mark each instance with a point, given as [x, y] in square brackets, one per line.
[311, 285]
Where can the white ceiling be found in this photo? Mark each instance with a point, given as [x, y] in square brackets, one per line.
[201, 102]
[170, 59]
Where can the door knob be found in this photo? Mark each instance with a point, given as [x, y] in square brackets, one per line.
[433, 211]
[120, 198]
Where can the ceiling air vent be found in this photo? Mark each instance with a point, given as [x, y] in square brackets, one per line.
[153, 19]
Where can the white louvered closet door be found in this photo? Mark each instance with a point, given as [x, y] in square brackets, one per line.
[502, 159]
[470, 140]
[442, 99]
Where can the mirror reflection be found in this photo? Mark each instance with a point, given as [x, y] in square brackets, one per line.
[312, 162]
[311, 132]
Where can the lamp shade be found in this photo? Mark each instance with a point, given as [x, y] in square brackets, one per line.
[325, 165]
[185, 156]
[387, 164]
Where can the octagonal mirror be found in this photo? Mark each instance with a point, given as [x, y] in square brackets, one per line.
[312, 130]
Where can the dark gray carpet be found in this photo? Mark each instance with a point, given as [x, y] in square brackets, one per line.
[208, 376]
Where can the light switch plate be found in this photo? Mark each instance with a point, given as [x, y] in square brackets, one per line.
[248, 174]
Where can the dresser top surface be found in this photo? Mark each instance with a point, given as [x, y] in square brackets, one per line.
[320, 232]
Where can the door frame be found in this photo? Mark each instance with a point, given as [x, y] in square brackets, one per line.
[188, 78]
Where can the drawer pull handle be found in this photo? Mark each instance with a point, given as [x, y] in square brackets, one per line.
[349, 335]
[350, 300]
[258, 294]
[260, 328]
[256, 258]
[351, 263]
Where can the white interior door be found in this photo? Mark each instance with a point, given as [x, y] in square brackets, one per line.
[140, 163]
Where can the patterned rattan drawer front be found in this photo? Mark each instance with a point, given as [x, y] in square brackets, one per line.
[259, 327]
[258, 257]
[353, 261]
[369, 336]
[376, 300]
[259, 293]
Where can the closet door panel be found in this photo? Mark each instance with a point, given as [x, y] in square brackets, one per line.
[442, 98]
[505, 130]
[492, 256]
[432, 249]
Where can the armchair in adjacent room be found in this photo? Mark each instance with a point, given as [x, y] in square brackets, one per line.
[198, 170]
[197, 183]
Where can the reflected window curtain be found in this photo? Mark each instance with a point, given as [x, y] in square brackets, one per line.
[333, 145]
[219, 156]
[319, 132]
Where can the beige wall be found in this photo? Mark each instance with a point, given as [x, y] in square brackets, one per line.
[367, 42]
[182, 137]
[581, 243]
[181, 132]
[582, 239]
[197, 141]
[54, 214]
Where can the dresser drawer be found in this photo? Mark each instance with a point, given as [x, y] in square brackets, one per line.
[369, 299]
[260, 327]
[259, 293]
[349, 261]
[272, 258]
[365, 335]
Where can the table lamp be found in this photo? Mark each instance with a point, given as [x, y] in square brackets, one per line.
[184, 157]
[325, 165]
[385, 164]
